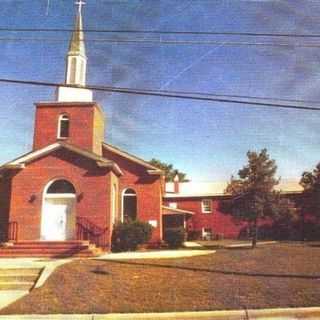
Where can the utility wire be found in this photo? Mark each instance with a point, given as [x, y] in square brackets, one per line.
[171, 42]
[171, 32]
[186, 95]
[209, 94]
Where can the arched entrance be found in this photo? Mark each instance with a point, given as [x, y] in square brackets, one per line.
[58, 211]
[129, 205]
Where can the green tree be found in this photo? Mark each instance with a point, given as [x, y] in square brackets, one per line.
[169, 170]
[253, 196]
[310, 181]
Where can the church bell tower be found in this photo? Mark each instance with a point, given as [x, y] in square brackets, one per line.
[73, 118]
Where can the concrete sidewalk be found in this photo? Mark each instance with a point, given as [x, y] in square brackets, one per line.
[263, 314]
[157, 254]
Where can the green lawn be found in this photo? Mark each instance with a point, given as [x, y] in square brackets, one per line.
[278, 275]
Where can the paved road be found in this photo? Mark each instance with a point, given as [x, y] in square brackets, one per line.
[266, 314]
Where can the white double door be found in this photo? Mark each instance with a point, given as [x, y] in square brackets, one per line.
[58, 218]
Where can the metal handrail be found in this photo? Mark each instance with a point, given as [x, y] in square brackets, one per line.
[13, 229]
[86, 230]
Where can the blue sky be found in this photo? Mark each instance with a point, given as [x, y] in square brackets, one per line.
[206, 140]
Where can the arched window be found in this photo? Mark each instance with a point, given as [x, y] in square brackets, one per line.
[129, 202]
[61, 186]
[63, 126]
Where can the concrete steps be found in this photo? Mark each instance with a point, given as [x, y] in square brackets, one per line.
[17, 285]
[18, 271]
[22, 279]
[53, 249]
[18, 277]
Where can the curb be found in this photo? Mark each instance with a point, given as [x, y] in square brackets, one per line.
[248, 245]
[262, 314]
[163, 254]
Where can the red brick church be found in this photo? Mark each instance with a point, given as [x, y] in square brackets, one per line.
[72, 186]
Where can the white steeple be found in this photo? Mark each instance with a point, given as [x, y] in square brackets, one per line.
[76, 65]
[76, 58]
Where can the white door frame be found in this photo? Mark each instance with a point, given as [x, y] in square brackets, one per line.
[70, 214]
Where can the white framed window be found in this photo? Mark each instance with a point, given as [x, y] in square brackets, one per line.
[206, 233]
[206, 206]
[153, 223]
[129, 205]
[173, 205]
[63, 127]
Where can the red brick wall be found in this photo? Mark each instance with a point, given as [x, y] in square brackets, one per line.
[147, 187]
[91, 182]
[219, 223]
[81, 124]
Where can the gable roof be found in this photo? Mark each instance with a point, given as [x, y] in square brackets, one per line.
[150, 168]
[211, 189]
[20, 162]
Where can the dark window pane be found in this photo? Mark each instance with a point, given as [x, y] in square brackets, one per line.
[130, 191]
[61, 186]
[64, 128]
[129, 205]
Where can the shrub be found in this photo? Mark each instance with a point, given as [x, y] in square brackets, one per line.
[194, 235]
[311, 231]
[127, 236]
[174, 237]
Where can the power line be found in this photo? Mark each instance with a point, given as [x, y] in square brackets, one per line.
[167, 94]
[169, 32]
[209, 94]
[171, 42]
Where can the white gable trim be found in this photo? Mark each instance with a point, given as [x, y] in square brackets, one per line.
[155, 172]
[14, 166]
[176, 210]
[36, 154]
[112, 165]
[152, 169]
[101, 162]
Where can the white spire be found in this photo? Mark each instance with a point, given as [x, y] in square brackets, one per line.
[76, 65]
[76, 58]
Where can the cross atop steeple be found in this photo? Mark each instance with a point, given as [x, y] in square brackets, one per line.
[80, 3]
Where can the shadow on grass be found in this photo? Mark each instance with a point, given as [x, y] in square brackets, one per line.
[100, 271]
[224, 272]
[314, 245]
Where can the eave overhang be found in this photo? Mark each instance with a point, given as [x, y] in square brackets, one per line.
[170, 211]
[152, 170]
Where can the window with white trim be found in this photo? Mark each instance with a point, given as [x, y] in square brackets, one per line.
[63, 127]
[206, 233]
[206, 206]
[173, 205]
[129, 205]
